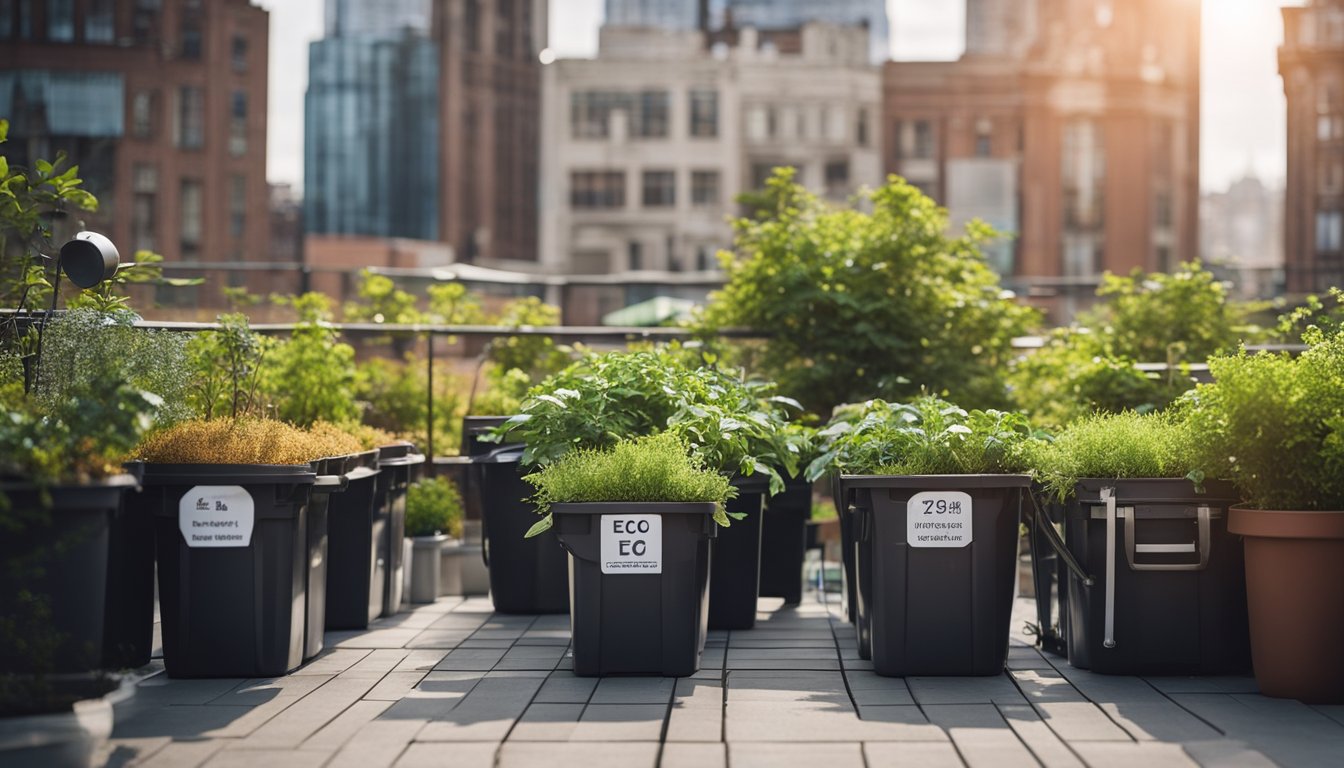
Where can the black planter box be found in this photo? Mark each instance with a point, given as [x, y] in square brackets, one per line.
[1049, 575]
[1172, 580]
[61, 554]
[398, 466]
[784, 540]
[128, 622]
[735, 562]
[331, 482]
[354, 582]
[473, 428]
[849, 596]
[625, 622]
[526, 575]
[943, 607]
[235, 610]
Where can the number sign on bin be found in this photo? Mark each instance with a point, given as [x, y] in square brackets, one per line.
[632, 544]
[216, 516]
[938, 519]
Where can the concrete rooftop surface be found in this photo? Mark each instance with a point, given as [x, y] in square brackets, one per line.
[455, 684]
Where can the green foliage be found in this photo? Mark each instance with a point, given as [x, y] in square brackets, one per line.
[112, 294]
[394, 397]
[1276, 424]
[1181, 317]
[227, 369]
[862, 304]
[1118, 445]
[381, 301]
[453, 304]
[652, 468]
[312, 374]
[504, 392]
[537, 356]
[433, 506]
[926, 437]
[76, 440]
[1325, 315]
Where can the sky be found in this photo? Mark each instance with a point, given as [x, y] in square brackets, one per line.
[1242, 120]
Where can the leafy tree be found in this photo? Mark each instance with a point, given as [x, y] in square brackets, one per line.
[381, 301]
[313, 373]
[227, 369]
[393, 395]
[867, 303]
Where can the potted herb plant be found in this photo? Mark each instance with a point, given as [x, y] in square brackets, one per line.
[1160, 588]
[1276, 423]
[433, 517]
[636, 520]
[936, 493]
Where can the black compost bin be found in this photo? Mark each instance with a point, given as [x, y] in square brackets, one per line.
[354, 579]
[128, 621]
[784, 540]
[935, 583]
[232, 550]
[849, 595]
[59, 555]
[473, 429]
[638, 583]
[526, 575]
[1169, 591]
[398, 466]
[735, 559]
[331, 481]
[1049, 573]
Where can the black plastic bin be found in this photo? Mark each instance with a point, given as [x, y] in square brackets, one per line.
[943, 607]
[61, 554]
[735, 562]
[128, 621]
[398, 466]
[354, 580]
[232, 609]
[1049, 574]
[331, 481]
[473, 429]
[1169, 592]
[784, 540]
[625, 621]
[849, 595]
[526, 575]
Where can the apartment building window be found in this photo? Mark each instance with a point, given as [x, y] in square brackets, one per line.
[145, 19]
[651, 120]
[25, 19]
[837, 178]
[660, 189]
[100, 21]
[238, 53]
[704, 114]
[143, 114]
[237, 205]
[761, 173]
[238, 124]
[6, 19]
[590, 112]
[634, 256]
[190, 117]
[1330, 176]
[144, 207]
[1329, 231]
[191, 199]
[984, 131]
[1163, 215]
[705, 188]
[61, 20]
[758, 128]
[191, 35]
[1084, 178]
[702, 259]
[925, 144]
[596, 189]
[861, 129]
[836, 124]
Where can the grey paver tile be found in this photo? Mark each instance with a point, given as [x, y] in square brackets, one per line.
[745, 640]
[183, 754]
[995, 689]
[1042, 685]
[633, 690]
[333, 661]
[1288, 732]
[694, 724]
[1126, 755]
[336, 733]
[189, 721]
[438, 638]
[377, 663]
[820, 721]
[531, 657]
[550, 754]
[1159, 721]
[563, 687]
[981, 734]
[1226, 753]
[547, 722]
[1080, 721]
[926, 754]
[486, 713]
[1026, 658]
[231, 757]
[267, 690]
[420, 660]
[307, 716]
[394, 685]
[377, 744]
[374, 638]
[1108, 688]
[471, 659]
[467, 622]
[1210, 684]
[122, 752]
[781, 654]
[621, 722]
[161, 690]
[438, 755]
[795, 755]
[1044, 743]
[691, 755]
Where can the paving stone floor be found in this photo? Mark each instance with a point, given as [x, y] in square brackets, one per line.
[453, 684]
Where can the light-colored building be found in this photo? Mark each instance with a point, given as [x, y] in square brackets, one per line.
[1241, 236]
[649, 143]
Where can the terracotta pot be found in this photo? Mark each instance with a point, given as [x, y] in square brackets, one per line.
[1295, 592]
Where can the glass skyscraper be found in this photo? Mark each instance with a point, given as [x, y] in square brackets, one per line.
[665, 14]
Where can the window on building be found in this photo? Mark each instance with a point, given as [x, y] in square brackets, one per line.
[705, 188]
[238, 124]
[191, 36]
[590, 112]
[861, 129]
[836, 124]
[144, 207]
[761, 173]
[651, 120]
[660, 189]
[1162, 210]
[142, 114]
[837, 178]
[471, 25]
[1330, 178]
[145, 20]
[984, 131]
[673, 258]
[25, 19]
[61, 20]
[237, 205]
[100, 23]
[757, 123]
[703, 260]
[924, 145]
[1329, 231]
[190, 117]
[634, 256]
[6, 19]
[191, 200]
[704, 113]
[771, 122]
[1083, 178]
[238, 53]
[597, 189]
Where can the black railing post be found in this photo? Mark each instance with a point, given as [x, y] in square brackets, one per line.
[429, 397]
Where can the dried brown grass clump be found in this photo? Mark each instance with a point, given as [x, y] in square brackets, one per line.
[370, 437]
[334, 440]
[228, 441]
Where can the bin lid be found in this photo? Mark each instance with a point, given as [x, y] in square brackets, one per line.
[227, 474]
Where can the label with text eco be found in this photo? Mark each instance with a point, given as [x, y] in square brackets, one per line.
[632, 544]
[938, 519]
[216, 516]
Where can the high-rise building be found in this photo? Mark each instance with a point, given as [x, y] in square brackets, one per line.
[1081, 141]
[664, 14]
[1311, 62]
[1241, 236]
[162, 105]
[386, 19]
[786, 14]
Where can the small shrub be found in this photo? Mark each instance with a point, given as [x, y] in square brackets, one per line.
[233, 441]
[653, 468]
[334, 440]
[311, 375]
[433, 506]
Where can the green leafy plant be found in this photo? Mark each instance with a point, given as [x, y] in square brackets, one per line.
[393, 396]
[433, 506]
[312, 374]
[646, 469]
[227, 367]
[861, 303]
[926, 437]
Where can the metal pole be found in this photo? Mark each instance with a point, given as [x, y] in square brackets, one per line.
[429, 399]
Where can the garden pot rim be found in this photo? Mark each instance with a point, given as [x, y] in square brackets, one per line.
[164, 473]
[1222, 492]
[644, 507]
[1245, 520]
[438, 538]
[936, 482]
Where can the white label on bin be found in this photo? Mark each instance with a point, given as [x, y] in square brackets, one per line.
[216, 516]
[632, 544]
[938, 519]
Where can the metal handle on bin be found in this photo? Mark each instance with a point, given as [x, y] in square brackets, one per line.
[1041, 521]
[1108, 495]
[330, 483]
[1202, 516]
